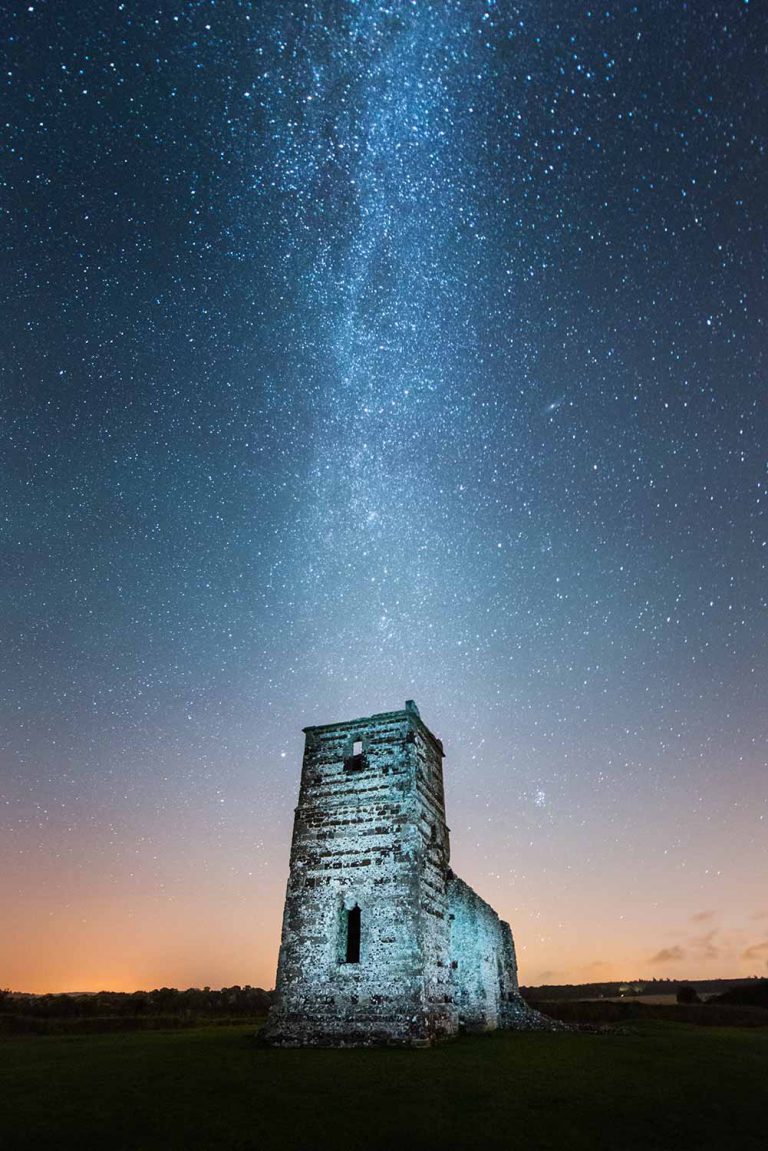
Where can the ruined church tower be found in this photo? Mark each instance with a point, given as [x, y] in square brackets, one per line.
[381, 943]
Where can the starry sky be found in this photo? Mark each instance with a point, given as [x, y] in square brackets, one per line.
[359, 351]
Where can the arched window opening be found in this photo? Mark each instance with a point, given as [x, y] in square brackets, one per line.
[353, 935]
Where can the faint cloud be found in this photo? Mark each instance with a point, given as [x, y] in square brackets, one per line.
[596, 965]
[759, 915]
[668, 955]
[696, 947]
[704, 946]
[756, 951]
[702, 916]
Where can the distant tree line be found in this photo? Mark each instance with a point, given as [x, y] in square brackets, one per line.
[636, 987]
[194, 1003]
[742, 1005]
[753, 994]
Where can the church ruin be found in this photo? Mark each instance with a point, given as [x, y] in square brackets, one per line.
[381, 942]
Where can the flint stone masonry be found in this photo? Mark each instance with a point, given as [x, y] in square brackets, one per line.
[381, 942]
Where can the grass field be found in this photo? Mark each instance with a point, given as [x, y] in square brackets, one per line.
[661, 1086]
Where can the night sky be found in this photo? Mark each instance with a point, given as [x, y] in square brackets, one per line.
[361, 351]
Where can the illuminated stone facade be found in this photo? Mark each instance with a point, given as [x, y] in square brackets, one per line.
[381, 942]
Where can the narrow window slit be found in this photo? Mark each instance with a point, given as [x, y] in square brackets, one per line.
[353, 935]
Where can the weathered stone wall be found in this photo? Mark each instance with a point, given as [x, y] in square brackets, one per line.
[370, 838]
[369, 833]
[483, 962]
[433, 857]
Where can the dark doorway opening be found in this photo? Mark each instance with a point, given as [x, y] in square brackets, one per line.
[353, 935]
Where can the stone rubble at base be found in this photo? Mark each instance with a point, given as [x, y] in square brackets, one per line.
[381, 942]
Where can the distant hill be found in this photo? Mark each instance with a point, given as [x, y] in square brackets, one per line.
[751, 994]
[634, 988]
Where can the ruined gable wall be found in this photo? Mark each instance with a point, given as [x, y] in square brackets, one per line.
[483, 961]
[358, 839]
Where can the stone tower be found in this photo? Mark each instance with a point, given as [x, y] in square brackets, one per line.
[381, 943]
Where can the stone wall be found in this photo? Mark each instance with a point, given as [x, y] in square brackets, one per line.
[483, 963]
[370, 833]
[371, 849]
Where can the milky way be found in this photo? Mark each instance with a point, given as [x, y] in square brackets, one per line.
[356, 352]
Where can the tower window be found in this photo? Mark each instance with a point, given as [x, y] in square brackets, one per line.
[353, 935]
[356, 761]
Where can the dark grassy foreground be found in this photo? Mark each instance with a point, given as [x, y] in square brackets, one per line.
[663, 1085]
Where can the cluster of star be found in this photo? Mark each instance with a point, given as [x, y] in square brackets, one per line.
[370, 350]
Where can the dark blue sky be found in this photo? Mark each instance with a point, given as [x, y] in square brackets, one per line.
[356, 352]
